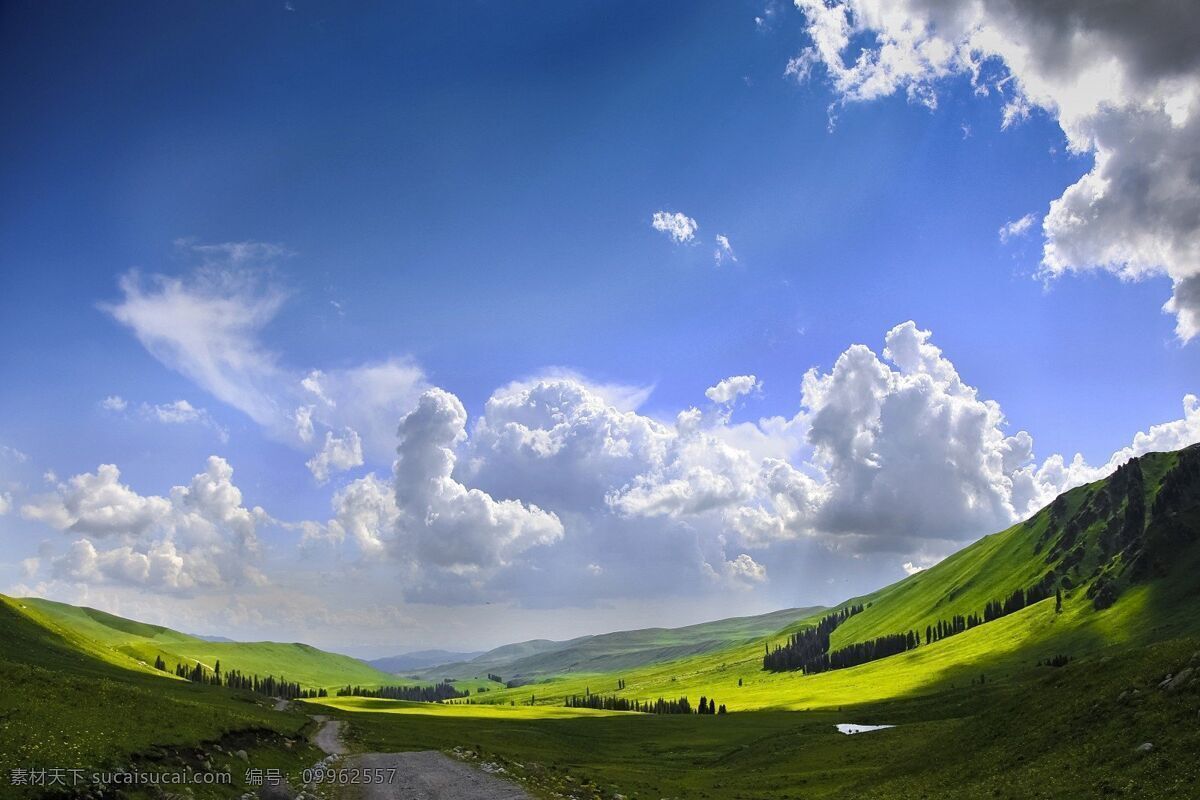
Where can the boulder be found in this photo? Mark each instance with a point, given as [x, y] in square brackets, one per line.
[1144, 747]
[1180, 680]
[242, 755]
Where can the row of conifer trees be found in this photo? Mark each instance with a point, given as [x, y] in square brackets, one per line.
[808, 650]
[611, 702]
[421, 694]
[234, 679]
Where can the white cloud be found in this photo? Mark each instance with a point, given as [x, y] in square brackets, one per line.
[1017, 228]
[1123, 83]
[113, 402]
[911, 569]
[729, 390]
[199, 536]
[5, 503]
[679, 226]
[208, 326]
[12, 454]
[724, 250]
[339, 454]
[453, 526]
[745, 568]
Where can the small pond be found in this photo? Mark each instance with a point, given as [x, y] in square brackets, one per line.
[849, 729]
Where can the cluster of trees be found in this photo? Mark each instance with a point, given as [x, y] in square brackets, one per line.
[234, 679]
[494, 677]
[611, 702]
[620, 683]
[809, 646]
[421, 694]
[862, 652]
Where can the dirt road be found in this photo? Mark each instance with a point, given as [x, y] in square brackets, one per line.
[329, 736]
[429, 775]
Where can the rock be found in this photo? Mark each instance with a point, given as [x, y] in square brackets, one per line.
[242, 755]
[1144, 747]
[1180, 680]
[1166, 681]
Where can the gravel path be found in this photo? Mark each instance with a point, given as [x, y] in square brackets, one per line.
[430, 775]
[328, 737]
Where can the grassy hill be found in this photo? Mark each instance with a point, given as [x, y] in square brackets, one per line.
[622, 650]
[113, 636]
[72, 703]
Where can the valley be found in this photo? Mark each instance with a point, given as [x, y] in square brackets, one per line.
[1055, 696]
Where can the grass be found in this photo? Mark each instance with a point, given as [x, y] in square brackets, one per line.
[69, 705]
[1051, 733]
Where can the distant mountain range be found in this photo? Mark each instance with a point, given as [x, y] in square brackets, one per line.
[420, 659]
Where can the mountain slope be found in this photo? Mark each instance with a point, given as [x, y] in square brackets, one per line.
[61, 689]
[112, 637]
[1125, 552]
[621, 650]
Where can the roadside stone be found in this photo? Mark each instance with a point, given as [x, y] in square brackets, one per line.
[1144, 747]
[1181, 679]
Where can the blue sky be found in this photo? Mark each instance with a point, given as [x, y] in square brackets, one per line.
[470, 189]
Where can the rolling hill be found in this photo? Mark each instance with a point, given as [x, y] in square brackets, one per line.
[142, 643]
[622, 650]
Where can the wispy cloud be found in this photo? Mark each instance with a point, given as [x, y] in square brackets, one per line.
[1017, 227]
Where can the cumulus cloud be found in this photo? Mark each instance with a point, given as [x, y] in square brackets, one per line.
[1122, 81]
[208, 325]
[1017, 227]
[199, 536]
[679, 226]
[745, 568]
[729, 390]
[5, 503]
[339, 454]
[453, 526]
[114, 402]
